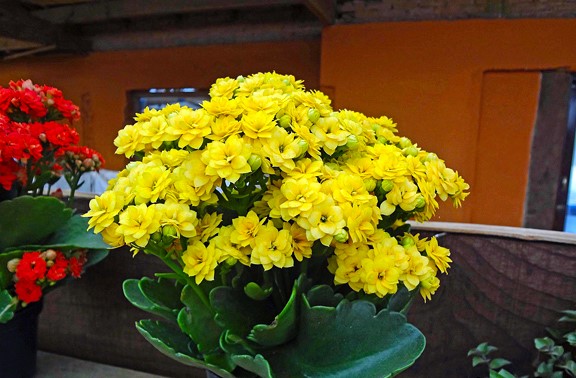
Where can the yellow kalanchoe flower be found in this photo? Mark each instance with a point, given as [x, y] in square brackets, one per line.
[267, 174]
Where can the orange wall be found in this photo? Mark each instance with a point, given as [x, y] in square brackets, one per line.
[430, 77]
[98, 83]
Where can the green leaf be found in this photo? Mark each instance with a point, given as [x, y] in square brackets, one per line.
[501, 374]
[238, 313]
[477, 360]
[30, 220]
[197, 321]
[571, 338]
[257, 365]
[256, 292]
[569, 316]
[7, 306]
[165, 293]
[74, 233]
[543, 343]
[497, 363]
[284, 326]
[134, 294]
[569, 366]
[401, 300]
[323, 295]
[170, 340]
[351, 340]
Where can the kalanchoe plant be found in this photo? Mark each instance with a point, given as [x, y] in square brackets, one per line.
[282, 222]
[42, 241]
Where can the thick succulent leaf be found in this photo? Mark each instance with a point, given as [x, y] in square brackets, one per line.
[238, 313]
[323, 295]
[351, 340]
[402, 300]
[135, 295]
[163, 292]
[197, 321]
[257, 365]
[30, 220]
[284, 326]
[7, 306]
[74, 233]
[170, 340]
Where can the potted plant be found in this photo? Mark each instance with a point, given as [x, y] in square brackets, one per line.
[283, 225]
[42, 241]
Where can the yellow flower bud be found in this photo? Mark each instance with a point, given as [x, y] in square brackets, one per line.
[410, 151]
[313, 115]
[169, 233]
[341, 236]
[254, 161]
[404, 142]
[285, 121]
[352, 142]
[386, 185]
[370, 184]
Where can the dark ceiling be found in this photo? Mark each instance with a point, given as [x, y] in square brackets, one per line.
[41, 27]
[81, 26]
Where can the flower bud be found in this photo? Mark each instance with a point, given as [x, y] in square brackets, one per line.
[240, 79]
[341, 236]
[352, 142]
[12, 265]
[431, 157]
[410, 151]
[285, 121]
[408, 241]
[42, 138]
[382, 140]
[156, 237]
[370, 184]
[50, 254]
[255, 162]
[420, 202]
[313, 115]
[88, 163]
[169, 233]
[404, 142]
[303, 147]
[386, 185]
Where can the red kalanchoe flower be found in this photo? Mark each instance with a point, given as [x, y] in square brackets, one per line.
[28, 291]
[32, 267]
[59, 268]
[30, 102]
[76, 266]
[60, 135]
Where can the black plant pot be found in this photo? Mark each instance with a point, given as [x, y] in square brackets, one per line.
[18, 340]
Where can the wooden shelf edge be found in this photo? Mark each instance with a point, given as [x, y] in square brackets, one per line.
[530, 234]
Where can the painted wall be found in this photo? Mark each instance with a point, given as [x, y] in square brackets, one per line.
[99, 82]
[466, 90]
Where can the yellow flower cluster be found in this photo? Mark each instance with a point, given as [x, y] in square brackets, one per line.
[301, 177]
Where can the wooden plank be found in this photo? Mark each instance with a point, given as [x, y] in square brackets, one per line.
[118, 9]
[496, 231]
[500, 290]
[548, 153]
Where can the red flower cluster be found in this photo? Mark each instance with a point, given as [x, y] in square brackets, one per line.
[34, 144]
[37, 270]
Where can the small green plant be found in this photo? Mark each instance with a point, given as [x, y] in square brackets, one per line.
[556, 354]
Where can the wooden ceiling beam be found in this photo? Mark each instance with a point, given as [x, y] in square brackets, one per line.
[218, 34]
[324, 10]
[16, 23]
[119, 9]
